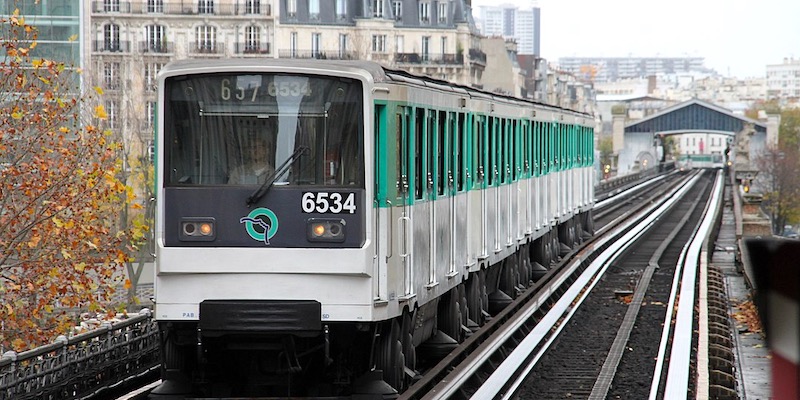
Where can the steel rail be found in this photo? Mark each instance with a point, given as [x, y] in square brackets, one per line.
[680, 355]
[519, 363]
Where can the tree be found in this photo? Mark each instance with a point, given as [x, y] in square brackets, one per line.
[779, 173]
[59, 195]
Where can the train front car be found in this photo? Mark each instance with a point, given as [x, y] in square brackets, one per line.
[262, 228]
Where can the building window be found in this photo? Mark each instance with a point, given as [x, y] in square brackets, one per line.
[397, 8]
[291, 8]
[424, 12]
[151, 114]
[293, 44]
[206, 39]
[155, 6]
[313, 9]
[343, 45]
[341, 9]
[111, 37]
[316, 38]
[442, 12]
[156, 38]
[111, 112]
[150, 76]
[252, 39]
[252, 7]
[377, 8]
[111, 75]
[444, 45]
[400, 44]
[426, 48]
[111, 5]
[379, 43]
[205, 6]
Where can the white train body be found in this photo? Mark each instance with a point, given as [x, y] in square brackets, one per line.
[431, 206]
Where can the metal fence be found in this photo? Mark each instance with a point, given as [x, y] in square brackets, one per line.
[88, 365]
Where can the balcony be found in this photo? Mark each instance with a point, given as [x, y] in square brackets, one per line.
[319, 55]
[252, 48]
[209, 48]
[148, 47]
[440, 59]
[240, 8]
[477, 56]
[111, 46]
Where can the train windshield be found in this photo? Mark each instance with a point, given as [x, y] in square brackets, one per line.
[236, 129]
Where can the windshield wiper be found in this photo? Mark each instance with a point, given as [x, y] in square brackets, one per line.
[258, 194]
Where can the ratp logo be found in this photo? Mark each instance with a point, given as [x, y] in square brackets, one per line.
[261, 224]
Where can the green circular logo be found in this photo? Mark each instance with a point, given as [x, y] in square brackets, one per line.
[264, 219]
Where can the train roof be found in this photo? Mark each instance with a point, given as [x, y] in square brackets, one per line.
[378, 72]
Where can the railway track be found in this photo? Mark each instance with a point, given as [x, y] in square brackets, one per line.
[501, 360]
[509, 356]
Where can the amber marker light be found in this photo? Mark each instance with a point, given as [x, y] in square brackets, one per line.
[197, 229]
[325, 230]
[206, 229]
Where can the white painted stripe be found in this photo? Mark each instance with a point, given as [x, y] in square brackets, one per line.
[784, 327]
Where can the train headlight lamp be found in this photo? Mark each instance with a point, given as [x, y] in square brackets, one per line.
[197, 229]
[325, 230]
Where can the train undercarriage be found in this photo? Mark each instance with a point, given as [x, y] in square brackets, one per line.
[269, 348]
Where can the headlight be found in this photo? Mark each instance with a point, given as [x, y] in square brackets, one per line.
[325, 230]
[198, 229]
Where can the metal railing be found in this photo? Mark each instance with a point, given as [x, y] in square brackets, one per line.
[84, 366]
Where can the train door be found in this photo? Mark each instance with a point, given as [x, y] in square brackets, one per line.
[432, 133]
[494, 181]
[421, 213]
[405, 170]
[461, 209]
[480, 179]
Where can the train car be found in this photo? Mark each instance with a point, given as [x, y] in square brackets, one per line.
[690, 161]
[326, 228]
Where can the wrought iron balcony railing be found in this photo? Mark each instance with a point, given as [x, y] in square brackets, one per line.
[240, 8]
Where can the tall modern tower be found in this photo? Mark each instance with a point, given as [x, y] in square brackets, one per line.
[521, 24]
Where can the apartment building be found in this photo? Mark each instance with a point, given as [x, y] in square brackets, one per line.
[783, 80]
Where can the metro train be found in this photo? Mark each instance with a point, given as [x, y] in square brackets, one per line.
[388, 217]
[687, 162]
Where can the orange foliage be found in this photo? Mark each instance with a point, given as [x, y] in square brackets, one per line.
[59, 195]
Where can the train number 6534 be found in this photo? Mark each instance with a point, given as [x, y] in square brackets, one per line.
[325, 202]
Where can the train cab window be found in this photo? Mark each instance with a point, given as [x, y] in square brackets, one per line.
[214, 122]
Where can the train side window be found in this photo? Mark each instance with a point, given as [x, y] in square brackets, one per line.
[480, 145]
[431, 131]
[462, 153]
[503, 150]
[441, 152]
[401, 151]
[491, 163]
[524, 147]
[419, 154]
[515, 164]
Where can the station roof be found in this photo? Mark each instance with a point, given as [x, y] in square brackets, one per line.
[694, 115]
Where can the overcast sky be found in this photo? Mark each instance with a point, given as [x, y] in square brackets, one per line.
[736, 37]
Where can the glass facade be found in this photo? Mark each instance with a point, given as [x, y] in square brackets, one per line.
[58, 25]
